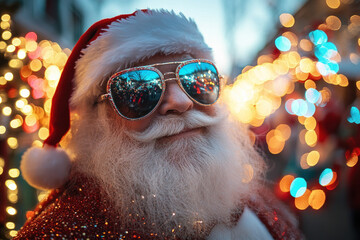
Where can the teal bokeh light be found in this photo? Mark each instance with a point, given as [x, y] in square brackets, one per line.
[326, 176]
[318, 37]
[354, 115]
[282, 43]
[298, 187]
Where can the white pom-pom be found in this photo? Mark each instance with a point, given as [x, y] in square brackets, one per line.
[45, 168]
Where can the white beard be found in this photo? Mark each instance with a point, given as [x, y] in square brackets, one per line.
[180, 187]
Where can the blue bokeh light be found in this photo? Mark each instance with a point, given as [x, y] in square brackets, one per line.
[310, 110]
[300, 107]
[303, 107]
[334, 66]
[318, 37]
[282, 43]
[298, 187]
[312, 95]
[331, 50]
[354, 115]
[325, 51]
[295, 107]
[326, 176]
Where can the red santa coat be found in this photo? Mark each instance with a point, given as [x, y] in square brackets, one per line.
[77, 211]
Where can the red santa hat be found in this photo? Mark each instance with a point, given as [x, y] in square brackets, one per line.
[107, 46]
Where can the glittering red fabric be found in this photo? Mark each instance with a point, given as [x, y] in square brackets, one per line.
[78, 211]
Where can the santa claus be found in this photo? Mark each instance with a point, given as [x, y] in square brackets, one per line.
[152, 152]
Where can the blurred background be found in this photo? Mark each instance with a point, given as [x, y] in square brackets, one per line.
[293, 70]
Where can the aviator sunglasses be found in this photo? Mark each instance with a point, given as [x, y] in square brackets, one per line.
[136, 92]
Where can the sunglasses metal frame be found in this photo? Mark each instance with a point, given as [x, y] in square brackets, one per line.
[152, 67]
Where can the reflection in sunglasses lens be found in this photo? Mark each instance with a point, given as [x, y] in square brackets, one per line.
[136, 93]
[200, 80]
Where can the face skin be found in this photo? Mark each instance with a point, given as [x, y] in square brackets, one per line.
[174, 102]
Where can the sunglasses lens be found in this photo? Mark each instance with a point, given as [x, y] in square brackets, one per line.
[201, 81]
[136, 93]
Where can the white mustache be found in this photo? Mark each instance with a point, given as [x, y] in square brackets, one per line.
[163, 126]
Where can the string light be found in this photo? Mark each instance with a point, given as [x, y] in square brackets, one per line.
[14, 172]
[5, 17]
[10, 225]
[11, 210]
[39, 66]
[9, 76]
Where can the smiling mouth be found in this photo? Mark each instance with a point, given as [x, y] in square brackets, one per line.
[184, 134]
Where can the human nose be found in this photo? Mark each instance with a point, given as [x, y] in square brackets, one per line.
[175, 100]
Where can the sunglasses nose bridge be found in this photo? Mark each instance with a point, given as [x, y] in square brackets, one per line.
[169, 74]
[175, 100]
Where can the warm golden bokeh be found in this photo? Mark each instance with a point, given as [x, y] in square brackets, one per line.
[285, 183]
[333, 3]
[317, 198]
[287, 20]
[302, 202]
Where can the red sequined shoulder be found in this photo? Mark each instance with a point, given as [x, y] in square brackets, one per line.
[68, 213]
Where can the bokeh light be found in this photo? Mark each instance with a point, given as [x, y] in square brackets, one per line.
[311, 138]
[10, 225]
[333, 22]
[313, 158]
[285, 183]
[6, 35]
[352, 157]
[287, 20]
[5, 17]
[298, 187]
[354, 115]
[12, 142]
[317, 198]
[14, 172]
[312, 95]
[31, 36]
[310, 123]
[10, 184]
[326, 177]
[302, 202]
[9, 76]
[283, 43]
[333, 3]
[318, 37]
[53, 73]
[10, 210]
[6, 111]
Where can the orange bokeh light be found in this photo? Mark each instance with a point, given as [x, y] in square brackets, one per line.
[317, 199]
[333, 183]
[302, 202]
[285, 183]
